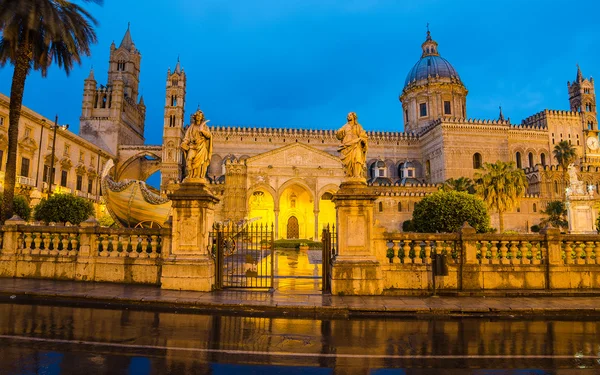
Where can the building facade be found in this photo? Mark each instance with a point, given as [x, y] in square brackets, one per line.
[288, 176]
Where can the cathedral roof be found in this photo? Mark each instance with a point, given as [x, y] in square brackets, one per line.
[127, 42]
[430, 64]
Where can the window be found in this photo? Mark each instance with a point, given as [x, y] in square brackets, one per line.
[427, 167]
[399, 206]
[556, 187]
[67, 148]
[588, 107]
[477, 160]
[81, 156]
[175, 82]
[423, 109]
[447, 109]
[63, 178]
[380, 206]
[173, 100]
[90, 184]
[543, 159]
[27, 132]
[2, 120]
[409, 173]
[534, 207]
[25, 167]
[406, 115]
[49, 144]
[518, 157]
[1, 158]
[530, 156]
[79, 182]
[121, 66]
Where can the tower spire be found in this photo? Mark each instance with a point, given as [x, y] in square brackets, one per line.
[178, 66]
[429, 46]
[579, 75]
[127, 42]
[501, 116]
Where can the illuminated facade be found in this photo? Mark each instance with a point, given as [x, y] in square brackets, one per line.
[288, 176]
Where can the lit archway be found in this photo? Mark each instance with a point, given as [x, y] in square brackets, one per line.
[295, 201]
[261, 207]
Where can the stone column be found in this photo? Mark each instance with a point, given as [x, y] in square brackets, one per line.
[355, 269]
[276, 211]
[316, 236]
[189, 266]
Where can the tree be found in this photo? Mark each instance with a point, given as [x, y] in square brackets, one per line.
[557, 215]
[460, 184]
[21, 206]
[447, 211]
[62, 208]
[34, 34]
[500, 185]
[565, 154]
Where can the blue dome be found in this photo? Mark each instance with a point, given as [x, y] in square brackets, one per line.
[433, 65]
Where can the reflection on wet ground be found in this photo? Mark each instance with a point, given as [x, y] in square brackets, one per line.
[64, 340]
[298, 270]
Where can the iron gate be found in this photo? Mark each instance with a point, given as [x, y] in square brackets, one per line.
[329, 239]
[243, 255]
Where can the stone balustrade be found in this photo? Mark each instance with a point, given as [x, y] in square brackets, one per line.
[85, 252]
[484, 262]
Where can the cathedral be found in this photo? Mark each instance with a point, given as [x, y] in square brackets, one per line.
[288, 177]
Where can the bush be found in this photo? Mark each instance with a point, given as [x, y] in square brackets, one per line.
[61, 208]
[535, 228]
[446, 212]
[408, 226]
[20, 206]
[295, 244]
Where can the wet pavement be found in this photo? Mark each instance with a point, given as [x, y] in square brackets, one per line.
[65, 340]
[287, 303]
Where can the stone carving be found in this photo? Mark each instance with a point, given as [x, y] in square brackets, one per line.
[354, 147]
[197, 145]
[576, 187]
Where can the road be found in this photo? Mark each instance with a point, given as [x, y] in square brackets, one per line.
[39, 339]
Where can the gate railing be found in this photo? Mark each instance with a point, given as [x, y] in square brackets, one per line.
[243, 255]
[329, 239]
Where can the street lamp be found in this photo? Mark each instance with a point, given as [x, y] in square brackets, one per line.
[54, 128]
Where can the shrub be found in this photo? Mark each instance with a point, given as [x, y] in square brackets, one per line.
[408, 226]
[448, 211]
[61, 208]
[20, 206]
[535, 228]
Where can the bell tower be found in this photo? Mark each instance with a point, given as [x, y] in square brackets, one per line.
[173, 132]
[582, 99]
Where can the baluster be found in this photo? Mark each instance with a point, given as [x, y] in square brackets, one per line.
[37, 241]
[417, 249]
[55, 242]
[65, 244]
[114, 243]
[494, 251]
[46, 241]
[525, 253]
[427, 252]
[134, 246]
[579, 253]
[513, 258]
[440, 249]
[537, 252]
[589, 250]
[74, 244]
[27, 244]
[144, 252]
[154, 244]
[597, 251]
[568, 252]
[104, 246]
[406, 250]
[503, 252]
[484, 251]
[48, 250]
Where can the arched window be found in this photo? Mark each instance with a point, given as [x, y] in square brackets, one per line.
[556, 187]
[399, 206]
[175, 82]
[380, 206]
[534, 207]
[477, 160]
[543, 159]
[518, 157]
[530, 156]
[428, 168]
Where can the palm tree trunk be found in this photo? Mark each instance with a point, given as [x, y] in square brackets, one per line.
[22, 65]
[500, 219]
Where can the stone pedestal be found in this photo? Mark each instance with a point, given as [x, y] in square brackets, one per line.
[355, 269]
[189, 266]
[580, 213]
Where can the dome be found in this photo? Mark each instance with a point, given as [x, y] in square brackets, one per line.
[431, 65]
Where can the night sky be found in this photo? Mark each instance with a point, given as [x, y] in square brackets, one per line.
[307, 63]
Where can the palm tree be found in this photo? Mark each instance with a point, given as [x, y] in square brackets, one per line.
[460, 184]
[557, 215]
[500, 185]
[34, 34]
[564, 153]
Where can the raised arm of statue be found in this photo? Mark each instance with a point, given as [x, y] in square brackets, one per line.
[353, 148]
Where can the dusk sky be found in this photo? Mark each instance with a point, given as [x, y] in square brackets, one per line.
[307, 63]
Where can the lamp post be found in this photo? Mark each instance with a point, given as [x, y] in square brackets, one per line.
[56, 126]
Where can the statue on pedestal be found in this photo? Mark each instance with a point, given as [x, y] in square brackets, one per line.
[354, 147]
[576, 187]
[197, 145]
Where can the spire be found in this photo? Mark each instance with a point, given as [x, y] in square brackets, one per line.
[579, 75]
[429, 46]
[501, 116]
[91, 76]
[127, 42]
[178, 66]
[142, 100]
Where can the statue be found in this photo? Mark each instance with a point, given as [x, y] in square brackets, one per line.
[576, 187]
[353, 148]
[197, 146]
